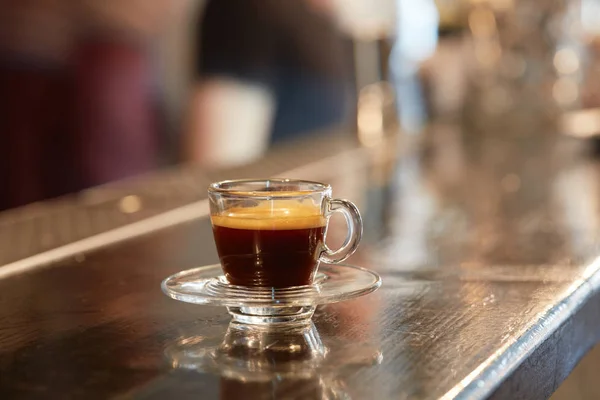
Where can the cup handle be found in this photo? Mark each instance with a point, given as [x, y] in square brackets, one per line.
[355, 228]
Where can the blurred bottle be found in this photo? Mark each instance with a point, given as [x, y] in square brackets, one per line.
[371, 24]
[376, 114]
[511, 85]
[416, 39]
[391, 39]
[577, 62]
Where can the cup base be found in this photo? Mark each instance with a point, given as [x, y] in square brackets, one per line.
[300, 315]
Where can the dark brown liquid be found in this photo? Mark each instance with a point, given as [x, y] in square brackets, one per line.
[269, 257]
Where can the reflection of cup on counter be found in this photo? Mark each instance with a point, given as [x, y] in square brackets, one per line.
[292, 353]
[273, 346]
[262, 362]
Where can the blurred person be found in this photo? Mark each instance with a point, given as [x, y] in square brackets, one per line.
[267, 70]
[76, 108]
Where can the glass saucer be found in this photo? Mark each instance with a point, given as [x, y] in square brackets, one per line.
[333, 283]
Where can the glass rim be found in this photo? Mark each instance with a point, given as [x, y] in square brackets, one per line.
[218, 188]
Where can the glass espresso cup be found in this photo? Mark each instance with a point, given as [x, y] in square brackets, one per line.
[271, 232]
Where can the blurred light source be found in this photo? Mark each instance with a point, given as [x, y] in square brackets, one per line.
[566, 61]
[376, 114]
[590, 16]
[482, 22]
[366, 19]
[565, 90]
[370, 117]
[416, 41]
[130, 204]
[417, 31]
[581, 123]
[370, 125]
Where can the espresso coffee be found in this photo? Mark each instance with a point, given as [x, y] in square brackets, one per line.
[267, 247]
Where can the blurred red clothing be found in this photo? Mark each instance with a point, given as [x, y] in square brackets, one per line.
[67, 127]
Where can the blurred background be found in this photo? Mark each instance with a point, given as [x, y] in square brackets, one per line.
[96, 91]
[93, 91]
